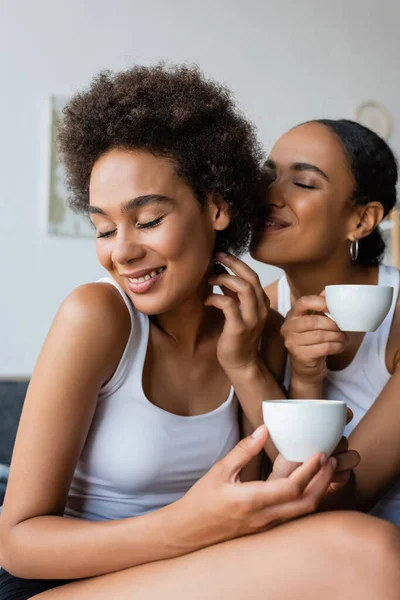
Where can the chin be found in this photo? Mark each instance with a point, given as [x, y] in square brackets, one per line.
[154, 304]
[268, 252]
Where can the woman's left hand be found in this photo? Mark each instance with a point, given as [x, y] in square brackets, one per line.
[346, 461]
[245, 306]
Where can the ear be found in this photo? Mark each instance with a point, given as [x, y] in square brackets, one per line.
[219, 212]
[368, 218]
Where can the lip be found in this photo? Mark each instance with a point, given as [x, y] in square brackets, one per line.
[144, 286]
[279, 224]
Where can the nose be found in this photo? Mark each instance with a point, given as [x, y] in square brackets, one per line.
[127, 247]
[276, 195]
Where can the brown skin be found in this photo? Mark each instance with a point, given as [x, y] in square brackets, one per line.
[206, 351]
[314, 252]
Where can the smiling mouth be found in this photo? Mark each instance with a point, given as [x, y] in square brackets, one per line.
[272, 225]
[147, 277]
[142, 285]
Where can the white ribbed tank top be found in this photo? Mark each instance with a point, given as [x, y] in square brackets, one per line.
[361, 382]
[138, 457]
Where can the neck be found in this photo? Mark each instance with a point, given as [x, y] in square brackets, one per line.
[311, 278]
[189, 322]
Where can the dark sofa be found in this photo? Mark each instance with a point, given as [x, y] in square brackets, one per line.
[12, 395]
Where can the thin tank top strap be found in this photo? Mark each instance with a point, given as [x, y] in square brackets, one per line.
[136, 346]
[283, 296]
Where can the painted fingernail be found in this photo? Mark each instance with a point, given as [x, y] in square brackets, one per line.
[258, 432]
[323, 460]
[333, 462]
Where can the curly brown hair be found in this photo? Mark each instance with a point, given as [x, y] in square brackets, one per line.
[173, 112]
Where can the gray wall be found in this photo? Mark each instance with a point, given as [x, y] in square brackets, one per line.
[287, 61]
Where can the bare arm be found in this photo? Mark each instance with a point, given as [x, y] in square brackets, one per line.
[377, 439]
[310, 338]
[263, 380]
[250, 349]
[80, 354]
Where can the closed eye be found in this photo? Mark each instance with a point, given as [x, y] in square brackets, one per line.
[105, 233]
[149, 224]
[306, 187]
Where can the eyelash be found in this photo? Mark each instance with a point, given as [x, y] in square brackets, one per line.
[147, 225]
[153, 223]
[306, 187]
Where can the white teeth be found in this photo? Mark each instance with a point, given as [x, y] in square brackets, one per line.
[146, 277]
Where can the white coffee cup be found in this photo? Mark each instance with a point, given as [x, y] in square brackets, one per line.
[301, 428]
[358, 307]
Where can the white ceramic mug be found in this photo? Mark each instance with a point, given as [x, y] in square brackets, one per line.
[358, 307]
[301, 428]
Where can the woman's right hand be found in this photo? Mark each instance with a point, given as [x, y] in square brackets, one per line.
[310, 336]
[221, 507]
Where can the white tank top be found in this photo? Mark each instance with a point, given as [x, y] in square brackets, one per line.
[138, 457]
[361, 382]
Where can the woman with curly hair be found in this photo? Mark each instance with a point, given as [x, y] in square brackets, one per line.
[125, 476]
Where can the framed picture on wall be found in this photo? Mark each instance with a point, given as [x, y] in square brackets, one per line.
[60, 219]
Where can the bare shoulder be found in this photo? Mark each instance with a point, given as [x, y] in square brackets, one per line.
[80, 354]
[272, 292]
[94, 301]
[93, 321]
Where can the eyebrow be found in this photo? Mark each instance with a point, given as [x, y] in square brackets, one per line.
[299, 167]
[138, 202]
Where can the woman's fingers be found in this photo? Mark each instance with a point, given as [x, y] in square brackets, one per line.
[305, 502]
[308, 354]
[286, 489]
[246, 294]
[305, 473]
[230, 308]
[349, 416]
[318, 487]
[243, 271]
[339, 481]
[317, 336]
[311, 323]
[220, 270]
[240, 268]
[346, 461]
[242, 453]
[307, 304]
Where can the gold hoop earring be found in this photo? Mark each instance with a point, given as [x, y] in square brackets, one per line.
[354, 250]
